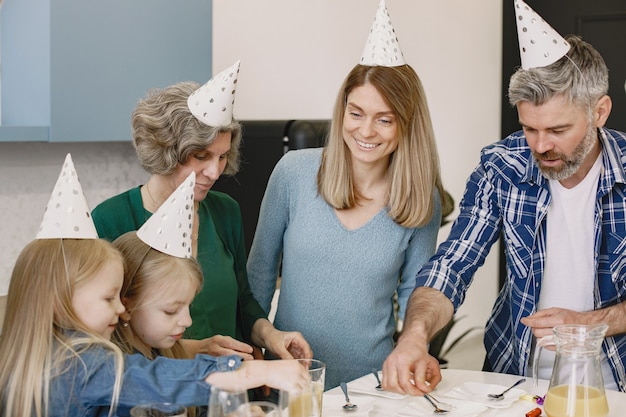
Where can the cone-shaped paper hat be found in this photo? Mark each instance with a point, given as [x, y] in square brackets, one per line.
[169, 229]
[539, 44]
[67, 215]
[212, 103]
[382, 47]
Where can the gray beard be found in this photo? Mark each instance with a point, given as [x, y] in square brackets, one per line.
[573, 163]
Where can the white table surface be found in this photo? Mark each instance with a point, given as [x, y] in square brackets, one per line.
[384, 407]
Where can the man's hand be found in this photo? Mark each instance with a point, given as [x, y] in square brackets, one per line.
[409, 369]
[543, 321]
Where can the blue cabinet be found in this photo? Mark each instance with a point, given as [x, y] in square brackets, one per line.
[73, 70]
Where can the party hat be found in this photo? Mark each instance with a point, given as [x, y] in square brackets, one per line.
[67, 215]
[382, 47]
[169, 229]
[212, 103]
[539, 44]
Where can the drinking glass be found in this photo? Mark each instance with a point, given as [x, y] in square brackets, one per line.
[259, 409]
[308, 402]
[225, 403]
[158, 410]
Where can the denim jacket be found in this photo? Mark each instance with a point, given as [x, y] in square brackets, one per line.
[507, 195]
[85, 387]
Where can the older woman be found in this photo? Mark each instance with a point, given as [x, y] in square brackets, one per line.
[177, 130]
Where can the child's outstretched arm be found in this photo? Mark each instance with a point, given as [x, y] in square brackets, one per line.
[288, 375]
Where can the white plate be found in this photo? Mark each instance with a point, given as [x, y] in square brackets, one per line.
[332, 406]
[420, 407]
[368, 386]
[477, 392]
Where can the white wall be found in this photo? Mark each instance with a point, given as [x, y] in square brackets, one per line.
[294, 55]
[28, 172]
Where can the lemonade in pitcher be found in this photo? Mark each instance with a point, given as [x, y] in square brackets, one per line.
[586, 402]
[576, 386]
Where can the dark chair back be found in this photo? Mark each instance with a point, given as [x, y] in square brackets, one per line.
[263, 144]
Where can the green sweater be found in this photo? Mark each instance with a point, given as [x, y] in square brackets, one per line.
[225, 304]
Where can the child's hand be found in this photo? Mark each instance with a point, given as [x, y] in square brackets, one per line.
[288, 375]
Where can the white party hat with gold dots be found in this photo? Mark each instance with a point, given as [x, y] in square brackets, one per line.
[213, 103]
[67, 215]
[169, 229]
[382, 47]
[539, 44]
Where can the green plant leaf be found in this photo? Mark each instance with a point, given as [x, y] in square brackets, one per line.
[435, 347]
[459, 338]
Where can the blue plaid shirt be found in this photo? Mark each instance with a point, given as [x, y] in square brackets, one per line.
[506, 194]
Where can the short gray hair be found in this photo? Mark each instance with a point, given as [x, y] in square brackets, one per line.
[166, 134]
[581, 77]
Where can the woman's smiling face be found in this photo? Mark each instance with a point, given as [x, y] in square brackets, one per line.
[370, 128]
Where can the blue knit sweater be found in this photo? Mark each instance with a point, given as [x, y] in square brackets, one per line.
[337, 285]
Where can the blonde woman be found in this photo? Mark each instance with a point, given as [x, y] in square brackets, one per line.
[352, 223]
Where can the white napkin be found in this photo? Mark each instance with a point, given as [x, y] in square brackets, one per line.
[477, 392]
[421, 407]
[367, 385]
[332, 406]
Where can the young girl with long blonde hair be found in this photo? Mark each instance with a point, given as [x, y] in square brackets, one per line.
[157, 292]
[56, 358]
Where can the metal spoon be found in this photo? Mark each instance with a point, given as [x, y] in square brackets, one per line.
[440, 403]
[437, 409]
[501, 395]
[380, 386]
[348, 406]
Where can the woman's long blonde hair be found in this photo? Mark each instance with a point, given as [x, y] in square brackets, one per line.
[36, 341]
[144, 268]
[414, 171]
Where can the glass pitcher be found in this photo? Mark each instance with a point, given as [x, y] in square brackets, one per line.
[576, 386]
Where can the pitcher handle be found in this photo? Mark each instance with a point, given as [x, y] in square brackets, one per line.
[541, 343]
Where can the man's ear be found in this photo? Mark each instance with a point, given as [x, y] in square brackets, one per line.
[602, 110]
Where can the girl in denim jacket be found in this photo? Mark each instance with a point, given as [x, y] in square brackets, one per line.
[56, 358]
